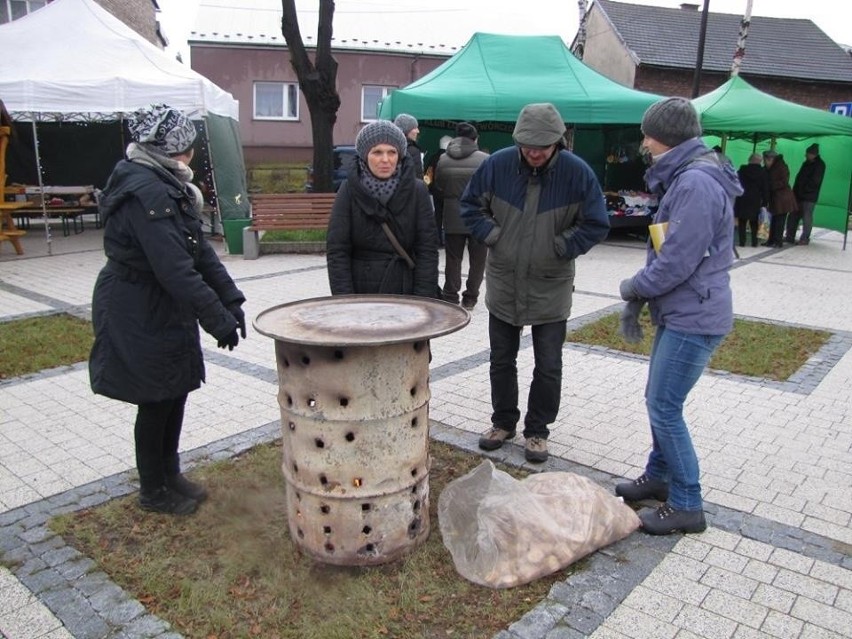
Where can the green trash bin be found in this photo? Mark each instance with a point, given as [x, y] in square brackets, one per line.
[234, 234]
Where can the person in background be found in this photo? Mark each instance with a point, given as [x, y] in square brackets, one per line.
[379, 205]
[452, 174]
[687, 286]
[537, 207]
[429, 178]
[755, 182]
[162, 278]
[781, 198]
[806, 189]
[411, 129]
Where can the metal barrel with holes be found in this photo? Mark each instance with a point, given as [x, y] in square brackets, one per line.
[353, 378]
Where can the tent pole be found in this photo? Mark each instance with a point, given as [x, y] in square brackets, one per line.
[47, 235]
[848, 212]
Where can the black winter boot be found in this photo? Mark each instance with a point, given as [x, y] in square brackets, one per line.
[666, 520]
[181, 485]
[167, 501]
[643, 487]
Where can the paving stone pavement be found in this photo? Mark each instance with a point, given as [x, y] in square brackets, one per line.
[776, 457]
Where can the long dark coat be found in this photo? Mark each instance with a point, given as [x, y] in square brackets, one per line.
[755, 182]
[361, 258]
[781, 199]
[161, 279]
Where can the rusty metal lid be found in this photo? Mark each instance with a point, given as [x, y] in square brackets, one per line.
[361, 320]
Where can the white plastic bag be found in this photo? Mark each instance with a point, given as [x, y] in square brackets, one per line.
[503, 532]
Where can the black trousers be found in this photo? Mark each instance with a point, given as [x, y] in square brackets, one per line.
[477, 252]
[752, 223]
[546, 386]
[157, 434]
[776, 229]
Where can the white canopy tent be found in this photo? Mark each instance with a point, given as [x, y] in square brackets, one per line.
[73, 61]
[73, 56]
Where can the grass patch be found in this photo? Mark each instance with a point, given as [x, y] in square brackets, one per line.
[277, 177]
[231, 570]
[30, 345]
[753, 348]
[306, 235]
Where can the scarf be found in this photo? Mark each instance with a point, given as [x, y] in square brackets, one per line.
[180, 172]
[382, 190]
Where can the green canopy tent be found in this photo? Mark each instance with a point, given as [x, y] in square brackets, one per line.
[493, 76]
[752, 119]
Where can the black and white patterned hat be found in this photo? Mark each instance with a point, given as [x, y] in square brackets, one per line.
[163, 128]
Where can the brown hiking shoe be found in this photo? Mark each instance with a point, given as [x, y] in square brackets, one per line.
[494, 438]
[535, 450]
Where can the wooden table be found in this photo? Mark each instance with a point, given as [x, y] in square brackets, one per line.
[8, 230]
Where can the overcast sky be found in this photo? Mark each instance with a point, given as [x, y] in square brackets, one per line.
[452, 22]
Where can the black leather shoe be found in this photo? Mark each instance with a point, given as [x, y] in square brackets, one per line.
[183, 486]
[666, 520]
[167, 501]
[643, 487]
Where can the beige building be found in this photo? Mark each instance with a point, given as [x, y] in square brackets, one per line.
[655, 49]
[139, 15]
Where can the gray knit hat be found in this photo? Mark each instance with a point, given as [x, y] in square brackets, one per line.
[671, 121]
[539, 125]
[406, 122]
[379, 132]
[163, 129]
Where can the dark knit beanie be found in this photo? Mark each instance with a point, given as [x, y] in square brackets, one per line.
[539, 125]
[813, 149]
[163, 129]
[466, 130]
[379, 132]
[671, 121]
[406, 122]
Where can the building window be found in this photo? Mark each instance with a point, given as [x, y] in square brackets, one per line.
[371, 96]
[276, 101]
[14, 9]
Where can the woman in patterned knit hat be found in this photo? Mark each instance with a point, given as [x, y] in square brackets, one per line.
[161, 280]
[381, 203]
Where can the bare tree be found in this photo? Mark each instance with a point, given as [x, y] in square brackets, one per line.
[317, 82]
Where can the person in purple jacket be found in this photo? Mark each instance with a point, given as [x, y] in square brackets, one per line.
[687, 287]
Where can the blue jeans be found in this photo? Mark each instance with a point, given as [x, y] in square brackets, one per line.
[677, 360]
[546, 385]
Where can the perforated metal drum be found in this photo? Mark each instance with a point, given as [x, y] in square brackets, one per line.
[353, 374]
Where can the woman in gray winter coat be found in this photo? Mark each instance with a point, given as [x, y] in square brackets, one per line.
[161, 280]
[380, 198]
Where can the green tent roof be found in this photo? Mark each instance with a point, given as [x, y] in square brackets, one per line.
[494, 76]
[738, 110]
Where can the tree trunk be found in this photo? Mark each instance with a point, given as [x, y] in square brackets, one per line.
[318, 83]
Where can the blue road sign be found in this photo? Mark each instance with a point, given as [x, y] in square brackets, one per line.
[841, 108]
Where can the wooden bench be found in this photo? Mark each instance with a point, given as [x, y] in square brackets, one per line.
[64, 213]
[284, 212]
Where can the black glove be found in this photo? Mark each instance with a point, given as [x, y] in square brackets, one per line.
[626, 290]
[229, 341]
[630, 328]
[238, 314]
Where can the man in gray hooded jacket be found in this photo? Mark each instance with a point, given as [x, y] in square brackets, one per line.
[537, 207]
[452, 174]
[686, 284]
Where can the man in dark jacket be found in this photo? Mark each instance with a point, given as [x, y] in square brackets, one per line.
[411, 129]
[537, 207]
[806, 187]
[755, 182]
[452, 174]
